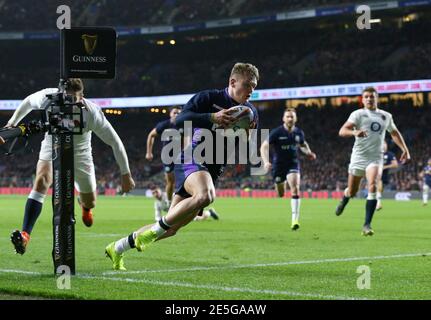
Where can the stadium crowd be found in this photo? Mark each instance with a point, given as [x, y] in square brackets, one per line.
[287, 55]
[146, 69]
[141, 12]
[320, 124]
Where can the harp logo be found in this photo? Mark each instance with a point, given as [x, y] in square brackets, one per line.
[90, 43]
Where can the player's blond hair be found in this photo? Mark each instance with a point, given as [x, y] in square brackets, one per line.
[247, 70]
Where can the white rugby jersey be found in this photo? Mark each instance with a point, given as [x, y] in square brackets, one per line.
[375, 123]
[94, 121]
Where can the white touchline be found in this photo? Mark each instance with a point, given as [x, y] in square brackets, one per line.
[222, 288]
[259, 265]
[198, 286]
[20, 271]
[231, 289]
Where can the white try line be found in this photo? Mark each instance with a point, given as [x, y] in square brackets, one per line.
[274, 264]
[21, 272]
[231, 289]
[198, 286]
[223, 288]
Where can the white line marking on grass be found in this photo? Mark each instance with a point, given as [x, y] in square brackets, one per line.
[232, 289]
[81, 235]
[21, 272]
[258, 265]
[197, 286]
[222, 288]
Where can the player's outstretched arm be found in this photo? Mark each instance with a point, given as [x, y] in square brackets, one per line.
[392, 165]
[127, 182]
[32, 102]
[206, 120]
[150, 143]
[23, 109]
[264, 153]
[305, 149]
[399, 140]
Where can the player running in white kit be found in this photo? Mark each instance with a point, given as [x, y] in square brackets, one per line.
[426, 176]
[368, 125]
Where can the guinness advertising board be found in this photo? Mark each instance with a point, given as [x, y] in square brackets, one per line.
[88, 52]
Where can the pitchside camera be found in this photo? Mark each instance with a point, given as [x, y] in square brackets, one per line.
[63, 114]
[23, 130]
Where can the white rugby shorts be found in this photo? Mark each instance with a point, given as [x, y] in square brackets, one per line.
[359, 166]
[85, 175]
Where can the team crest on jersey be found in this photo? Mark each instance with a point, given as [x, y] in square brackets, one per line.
[383, 117]
[375, 126]
[297, 139]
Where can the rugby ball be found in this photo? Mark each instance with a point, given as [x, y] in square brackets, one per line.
[244, 121]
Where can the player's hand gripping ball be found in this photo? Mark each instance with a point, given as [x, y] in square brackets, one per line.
[244, 116]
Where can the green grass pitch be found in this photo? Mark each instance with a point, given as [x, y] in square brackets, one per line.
[250, 253]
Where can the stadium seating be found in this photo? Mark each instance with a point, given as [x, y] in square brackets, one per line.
[147, 69]
[321, 125]
[14, 15]
[330, 54]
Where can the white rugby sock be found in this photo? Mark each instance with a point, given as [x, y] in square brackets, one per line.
[160, 227]
[37, 196]
[346, 193]
[295, 204]
[379, 198]
[425, 191]
[371, 196]
[123, 244]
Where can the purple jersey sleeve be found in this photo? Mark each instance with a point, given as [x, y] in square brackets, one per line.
[197, 110]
